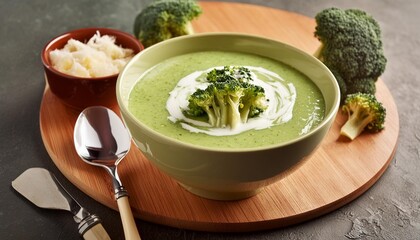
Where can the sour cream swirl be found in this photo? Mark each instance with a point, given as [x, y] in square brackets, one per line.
[281, 96]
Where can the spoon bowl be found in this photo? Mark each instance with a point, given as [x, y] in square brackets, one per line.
[101, 139]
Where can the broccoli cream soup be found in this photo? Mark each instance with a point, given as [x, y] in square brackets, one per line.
[294, 104]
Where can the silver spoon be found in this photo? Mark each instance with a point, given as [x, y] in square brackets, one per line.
[101, 139]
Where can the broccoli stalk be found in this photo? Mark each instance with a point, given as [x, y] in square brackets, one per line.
[229, 100]
[220, 107]
[365, 112]
[233, 99]
[165, 19]
[351, 47]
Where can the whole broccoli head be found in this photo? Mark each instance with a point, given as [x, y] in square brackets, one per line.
[165, 19]
[365, 112]
[229, 100]
[351, 46]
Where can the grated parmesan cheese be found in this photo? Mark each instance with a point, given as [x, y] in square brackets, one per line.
[99, 57]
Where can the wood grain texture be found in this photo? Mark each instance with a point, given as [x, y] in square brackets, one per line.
[338, 172]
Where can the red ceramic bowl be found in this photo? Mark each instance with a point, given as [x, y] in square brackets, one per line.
[80, 92]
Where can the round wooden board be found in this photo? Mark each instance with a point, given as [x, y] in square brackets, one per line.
[338, 172]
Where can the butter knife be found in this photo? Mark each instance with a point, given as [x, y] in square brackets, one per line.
[42, 188]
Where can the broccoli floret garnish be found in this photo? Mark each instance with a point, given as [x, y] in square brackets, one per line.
[253, 102]
[229, 100]
[202, 102]
[165, 19]
[351, 47]
[365, 112]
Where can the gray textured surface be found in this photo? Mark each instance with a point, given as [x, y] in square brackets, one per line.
[389, 210]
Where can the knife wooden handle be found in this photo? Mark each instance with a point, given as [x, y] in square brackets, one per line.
[129, 225]
[96, 232]
[91, 228]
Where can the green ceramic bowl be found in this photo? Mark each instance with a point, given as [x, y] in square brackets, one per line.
[226, 174]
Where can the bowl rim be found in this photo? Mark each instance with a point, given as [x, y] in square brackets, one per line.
[46, 49]
[168, 140]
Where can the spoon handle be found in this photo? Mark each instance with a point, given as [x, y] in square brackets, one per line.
[129, 225]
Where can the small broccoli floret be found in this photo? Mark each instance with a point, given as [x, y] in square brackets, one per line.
[201, 102]
[230, 99]
[165, 19]
[253, 102]
[365, 112]
[351, 45]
